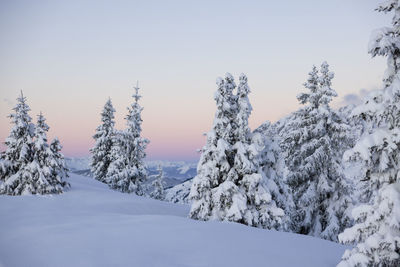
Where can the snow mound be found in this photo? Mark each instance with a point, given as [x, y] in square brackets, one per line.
[91, 225]
[179, 193]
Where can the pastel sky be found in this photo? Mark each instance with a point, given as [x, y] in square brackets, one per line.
[68, 57]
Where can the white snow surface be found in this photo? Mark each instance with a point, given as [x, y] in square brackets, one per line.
[91, 225]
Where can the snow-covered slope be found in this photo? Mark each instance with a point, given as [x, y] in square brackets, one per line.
[179, 193]
[91, 225]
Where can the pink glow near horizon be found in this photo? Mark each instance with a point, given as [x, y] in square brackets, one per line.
[68, 68]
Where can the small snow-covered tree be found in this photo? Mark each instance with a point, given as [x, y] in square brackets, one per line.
[41, 179]
[313, 139]
[127, 172]
[158, 185]
[118, 175]
[377, 229]
[230, 184]
[57, 165]
[100, 153]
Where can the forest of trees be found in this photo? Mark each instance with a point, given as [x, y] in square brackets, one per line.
[332, 174]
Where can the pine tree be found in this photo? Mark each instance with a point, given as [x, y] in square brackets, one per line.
[312, 139]
[19, 152]
[230, 184]
[101, 152]
[216, 157]
[260, 209]
[20, 141]
[267, 140]
[158, 185]
[57, 165]
[127, 172]
[377, 229]
[36, 176]
[118, 175]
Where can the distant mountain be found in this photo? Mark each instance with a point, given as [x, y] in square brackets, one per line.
[175, 172]
[77, 164]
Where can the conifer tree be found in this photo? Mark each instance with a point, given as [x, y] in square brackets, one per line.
[19, 152]
[158, 185]
[118, 175]
[56, 163]
[260, 209]
[36, 176]
[313, 139]
[215, 161]
[377, 229]
[127, 172]
[20, 141]
[266, 139]
[101, 152]
[229, 184]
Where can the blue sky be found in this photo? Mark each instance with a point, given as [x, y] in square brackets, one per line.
[70, 56]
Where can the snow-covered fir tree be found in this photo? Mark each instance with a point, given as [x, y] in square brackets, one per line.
[57, 165]
[215, 160]
[377, 229]
[313, 139]
[127, 172]
[158, 185]
[230, 184]
[266, 138]
[20, 141]
[101, 152]
[48, 164]
[36, 175]
[118, 175]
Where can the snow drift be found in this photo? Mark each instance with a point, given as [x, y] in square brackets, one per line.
[91, 225]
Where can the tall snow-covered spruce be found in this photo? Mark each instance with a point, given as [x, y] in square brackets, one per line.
[377, 229]
[230, 184]
[28, 158]
[101, 152]
[20, 141]
[127, 172]
[312, 138]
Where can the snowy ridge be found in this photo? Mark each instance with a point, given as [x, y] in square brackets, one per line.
[179, 193]
[173, 170]
[77, 164]
[91, 225]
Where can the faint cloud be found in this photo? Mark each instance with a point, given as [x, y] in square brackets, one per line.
[9, 103]
[355, 99]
